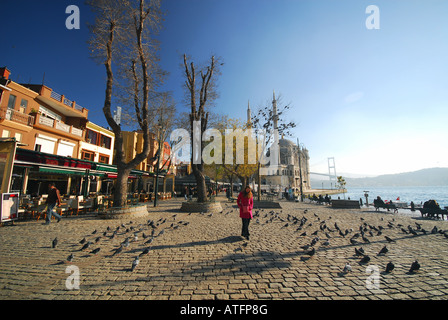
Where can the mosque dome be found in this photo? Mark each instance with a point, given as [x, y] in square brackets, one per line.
[286, 143]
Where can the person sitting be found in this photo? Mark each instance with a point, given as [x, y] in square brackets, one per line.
[431, 204]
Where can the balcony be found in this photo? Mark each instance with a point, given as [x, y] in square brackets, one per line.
[59, 102]
[55, 126]
[16, 116]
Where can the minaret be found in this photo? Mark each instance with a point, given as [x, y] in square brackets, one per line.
[275, 120]
[248, 115]
[275, 116]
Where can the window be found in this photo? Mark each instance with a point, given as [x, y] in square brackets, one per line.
[11, 101]
[24, 103]
[18, 136]
[105, 142]
[91, 136]
[49, 114]
[103, 159]
[5, 134]
[87, 155]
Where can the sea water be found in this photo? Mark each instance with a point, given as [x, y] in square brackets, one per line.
[406, 194]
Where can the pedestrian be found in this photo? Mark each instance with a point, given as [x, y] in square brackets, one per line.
[53, 199]
[186, 193]
[245, 202]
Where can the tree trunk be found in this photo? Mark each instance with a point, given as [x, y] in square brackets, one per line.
[259, 181]
[200, 183]
[121, 188]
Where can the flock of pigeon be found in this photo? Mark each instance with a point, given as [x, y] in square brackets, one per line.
[326, 231]
[141, 234]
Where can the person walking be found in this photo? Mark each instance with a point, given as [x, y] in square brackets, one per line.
[53, 199]
[245, 202]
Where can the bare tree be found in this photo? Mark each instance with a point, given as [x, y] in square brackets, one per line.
[200, 93]
[122, 37]
[262, 121]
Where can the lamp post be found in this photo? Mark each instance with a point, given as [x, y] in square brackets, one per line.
[300, 171]
[156, 187]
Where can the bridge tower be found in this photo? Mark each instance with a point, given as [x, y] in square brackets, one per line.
[332, 170]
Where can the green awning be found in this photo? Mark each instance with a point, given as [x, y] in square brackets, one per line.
[105, 167]
[62, 171]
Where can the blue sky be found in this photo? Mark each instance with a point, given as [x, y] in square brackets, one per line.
[375, 100]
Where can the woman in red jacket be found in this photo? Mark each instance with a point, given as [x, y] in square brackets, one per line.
[245, 202]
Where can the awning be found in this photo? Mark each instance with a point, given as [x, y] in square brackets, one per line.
[114, 176]
[105, 167]
[62, 171]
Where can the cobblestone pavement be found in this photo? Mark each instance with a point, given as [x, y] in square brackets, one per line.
[201, 256]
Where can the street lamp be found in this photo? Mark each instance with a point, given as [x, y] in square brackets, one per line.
[156, 187]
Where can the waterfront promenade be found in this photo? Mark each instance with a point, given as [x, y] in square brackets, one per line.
[202, 257]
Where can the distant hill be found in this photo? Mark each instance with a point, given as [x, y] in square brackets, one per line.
[424, 177]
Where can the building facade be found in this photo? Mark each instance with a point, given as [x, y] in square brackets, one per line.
[40, 118]
[97, 145]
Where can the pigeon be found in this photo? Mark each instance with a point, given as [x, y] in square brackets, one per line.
[384, 250]
[311, 252]
[434, 230]
[118, 250]
[365, 259]
[55, 242]
[125, 243]
[389, 239]
[365, 239]
[135, 263]
[83, 241]
[305, 247]
[150, 240]
[359, 252]
[146, 251]
[70, 257]
[85, 246]
[389, 267]
[353, 241]
[347, 268]
[314, 241]
[161, 233]
[94, 231]
[95, 251]
[415, 266]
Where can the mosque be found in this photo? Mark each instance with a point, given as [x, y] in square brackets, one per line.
[292, 169]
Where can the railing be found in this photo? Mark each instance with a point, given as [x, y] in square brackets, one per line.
[78, 107]
[62, 126]
[77, 132]
[46, 121]
[14, 115]
[69, 103]
[56, 96]
[42, 120]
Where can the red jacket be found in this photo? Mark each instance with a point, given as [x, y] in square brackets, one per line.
[242, 201]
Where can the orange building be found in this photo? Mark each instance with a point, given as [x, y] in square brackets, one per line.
[133, 144]
[40, 118]
[46, 123]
